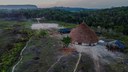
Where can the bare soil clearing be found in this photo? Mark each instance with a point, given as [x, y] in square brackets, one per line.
[44, 26]
[99, 54]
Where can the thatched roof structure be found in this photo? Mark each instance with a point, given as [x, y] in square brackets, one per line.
[83, 34]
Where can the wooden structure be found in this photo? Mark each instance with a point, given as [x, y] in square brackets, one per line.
[83, 35]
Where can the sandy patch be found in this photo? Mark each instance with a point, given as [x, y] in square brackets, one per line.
[44, 26]
[99, 54]
[98, 51]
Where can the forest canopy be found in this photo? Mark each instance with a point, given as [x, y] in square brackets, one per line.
[115, 18]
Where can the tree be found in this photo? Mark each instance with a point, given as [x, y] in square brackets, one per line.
[66, 41]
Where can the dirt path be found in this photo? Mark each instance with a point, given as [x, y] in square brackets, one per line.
[77, 62]
[55, 63]
[21, 56]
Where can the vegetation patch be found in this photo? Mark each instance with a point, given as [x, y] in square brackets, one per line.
[13, 37]
[40, 54]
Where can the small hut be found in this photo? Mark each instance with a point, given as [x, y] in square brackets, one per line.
[83, 35]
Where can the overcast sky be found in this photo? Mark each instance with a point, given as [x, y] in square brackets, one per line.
[68, 3]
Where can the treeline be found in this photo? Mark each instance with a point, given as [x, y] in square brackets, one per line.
[115, 18]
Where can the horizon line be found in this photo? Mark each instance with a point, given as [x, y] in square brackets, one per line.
[63, 6]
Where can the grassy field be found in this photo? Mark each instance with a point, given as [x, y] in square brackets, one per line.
[40, 54]
[13, 36]
[64, 24]
[43, 51]
[118, 36]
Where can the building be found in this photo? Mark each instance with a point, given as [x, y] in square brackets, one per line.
[65, 30]
[83, 35]
[115, 45]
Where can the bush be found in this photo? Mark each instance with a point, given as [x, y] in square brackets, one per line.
[41, 33]
[10, 57]
[66, 41]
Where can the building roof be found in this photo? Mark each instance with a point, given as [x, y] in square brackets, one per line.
[83, 34]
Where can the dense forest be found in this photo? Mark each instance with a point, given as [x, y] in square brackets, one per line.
[115, 18]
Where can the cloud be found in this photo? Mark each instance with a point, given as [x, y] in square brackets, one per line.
[91, 3]
[70, 3]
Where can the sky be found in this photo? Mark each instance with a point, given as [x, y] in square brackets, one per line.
[68, 3]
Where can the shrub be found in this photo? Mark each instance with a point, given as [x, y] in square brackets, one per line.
[41, 33]
[66, 41]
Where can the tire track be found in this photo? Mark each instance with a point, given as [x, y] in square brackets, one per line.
[80, 55]
[21, 56]
[54, 63]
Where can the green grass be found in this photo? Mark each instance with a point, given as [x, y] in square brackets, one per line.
[122, 38]
[47, 54]
[8, 24]
[67, 25]
[64, 24]
[10, 43]
[119, 67]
